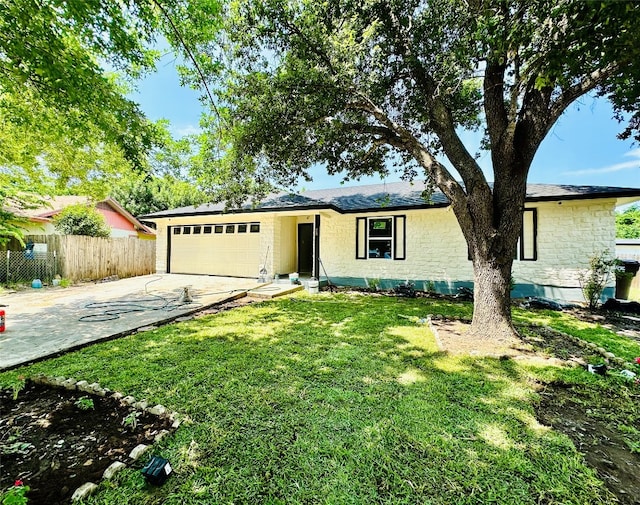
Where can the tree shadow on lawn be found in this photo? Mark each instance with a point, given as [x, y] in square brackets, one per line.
[326, 401]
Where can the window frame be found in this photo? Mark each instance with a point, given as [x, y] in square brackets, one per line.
[397, 237]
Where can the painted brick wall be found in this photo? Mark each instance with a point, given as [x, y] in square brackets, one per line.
[436, 249]
[161, 245]
[568, 235]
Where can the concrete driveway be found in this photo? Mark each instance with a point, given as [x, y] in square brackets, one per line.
[46, 322]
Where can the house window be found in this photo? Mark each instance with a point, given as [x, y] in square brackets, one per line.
[206, 230]
[242, 228]
[176, 231]
[197, 230]
[186, 230]
[231, 228]
[380, 238]
[218, 229]
[255, 228]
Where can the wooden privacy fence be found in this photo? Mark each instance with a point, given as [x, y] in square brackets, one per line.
[90, 258]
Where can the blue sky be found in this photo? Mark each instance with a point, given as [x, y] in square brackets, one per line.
[581, 149]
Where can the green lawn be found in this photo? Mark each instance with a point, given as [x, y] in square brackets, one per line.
[337, 399]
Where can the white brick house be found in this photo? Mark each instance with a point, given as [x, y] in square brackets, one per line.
[389, 233]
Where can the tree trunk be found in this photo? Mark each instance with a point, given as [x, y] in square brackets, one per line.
[492, 300]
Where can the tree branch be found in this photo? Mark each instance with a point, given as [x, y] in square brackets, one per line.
[589, 83]
[323, 56]
[440, 116]
[494, 107]
[404, 139]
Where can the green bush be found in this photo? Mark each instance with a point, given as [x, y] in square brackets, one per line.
[82, 220]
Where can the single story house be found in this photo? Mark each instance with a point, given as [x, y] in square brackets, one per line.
[121, 222]
[389, 233]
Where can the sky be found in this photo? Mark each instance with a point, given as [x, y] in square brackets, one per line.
[581, 149]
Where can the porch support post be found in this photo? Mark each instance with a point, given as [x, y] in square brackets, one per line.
[316, 247]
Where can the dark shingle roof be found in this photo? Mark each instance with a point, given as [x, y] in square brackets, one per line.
[390, 196]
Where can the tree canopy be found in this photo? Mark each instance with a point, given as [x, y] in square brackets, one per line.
[377, 85]
[66, 68]
[68, 57]
[628, 223]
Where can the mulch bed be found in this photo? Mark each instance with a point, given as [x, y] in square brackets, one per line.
[54, 446]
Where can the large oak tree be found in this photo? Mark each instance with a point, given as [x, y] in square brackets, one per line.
[369, 86]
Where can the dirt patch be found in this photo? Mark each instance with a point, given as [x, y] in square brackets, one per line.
[605, 448]
[451, 336]
[54, 446]
[232, 304]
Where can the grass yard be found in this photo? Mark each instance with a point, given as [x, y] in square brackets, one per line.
[339, 399]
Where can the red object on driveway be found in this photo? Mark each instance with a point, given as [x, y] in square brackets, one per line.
[1, 320]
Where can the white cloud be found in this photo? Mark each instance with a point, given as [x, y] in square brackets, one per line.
[616, 167]
[186, 130]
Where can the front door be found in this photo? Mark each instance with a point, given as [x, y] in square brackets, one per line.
[305, 248]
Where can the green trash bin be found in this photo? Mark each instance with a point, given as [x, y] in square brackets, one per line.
[625, 271]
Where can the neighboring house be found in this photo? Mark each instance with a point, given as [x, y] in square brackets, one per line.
[628, 248]
[121, 223]
[388, 232]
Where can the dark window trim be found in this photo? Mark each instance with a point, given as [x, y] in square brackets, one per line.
[535, 236]
[361, 221]
[169, 233]
[518, 254]
[396, 219]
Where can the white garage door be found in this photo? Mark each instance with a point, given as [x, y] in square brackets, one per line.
[216, 249]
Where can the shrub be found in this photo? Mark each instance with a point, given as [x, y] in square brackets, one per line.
[594, 280]
[82, 220]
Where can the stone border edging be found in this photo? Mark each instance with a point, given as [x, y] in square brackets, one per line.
[608, 357]
[94, 388]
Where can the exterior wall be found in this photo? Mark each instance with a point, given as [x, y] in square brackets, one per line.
[435, 251]
[120, 226]
[628, 248]
[32, 228]
[116, 233]
[568, 234]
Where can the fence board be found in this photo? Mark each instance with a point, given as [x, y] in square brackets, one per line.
[91, 258]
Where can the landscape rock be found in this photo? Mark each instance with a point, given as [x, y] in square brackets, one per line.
[69, 384]
[158, 410]
[138, 451]
[84, 491]
[113, 469]
[129, 400]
